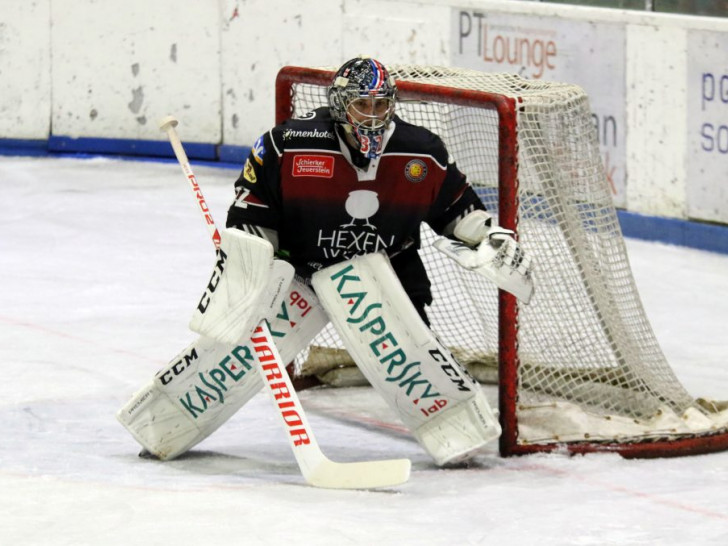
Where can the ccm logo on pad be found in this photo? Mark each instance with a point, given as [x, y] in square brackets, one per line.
[313, 165]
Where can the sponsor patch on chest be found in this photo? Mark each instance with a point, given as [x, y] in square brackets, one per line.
[313, 165]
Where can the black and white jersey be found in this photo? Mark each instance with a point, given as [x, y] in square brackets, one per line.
[328, 203]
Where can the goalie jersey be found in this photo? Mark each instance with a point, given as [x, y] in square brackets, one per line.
[328, 203]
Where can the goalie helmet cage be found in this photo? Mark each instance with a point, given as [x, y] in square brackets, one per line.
[579, 368]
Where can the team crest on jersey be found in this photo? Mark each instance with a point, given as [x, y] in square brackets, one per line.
[249, 172]
[415, 170]
[359, 235]
[258, 150]
[361, 205]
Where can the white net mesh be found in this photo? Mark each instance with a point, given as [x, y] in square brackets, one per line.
[591, 367]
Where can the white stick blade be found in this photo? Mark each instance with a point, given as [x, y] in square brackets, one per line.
[359, 475]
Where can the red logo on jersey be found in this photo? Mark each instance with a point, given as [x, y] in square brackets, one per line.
[313, 165]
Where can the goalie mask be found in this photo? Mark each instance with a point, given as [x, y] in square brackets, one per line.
[361, 98]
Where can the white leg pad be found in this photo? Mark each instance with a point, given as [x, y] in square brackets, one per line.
[246, 286]
[209, 381]
[199, 390]
[455, 435]
[403, 360]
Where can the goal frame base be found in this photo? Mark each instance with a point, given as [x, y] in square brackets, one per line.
[699, 445]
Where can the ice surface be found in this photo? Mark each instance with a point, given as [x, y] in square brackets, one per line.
[101, 262]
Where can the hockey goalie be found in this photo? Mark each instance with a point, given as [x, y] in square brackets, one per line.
[338, 196]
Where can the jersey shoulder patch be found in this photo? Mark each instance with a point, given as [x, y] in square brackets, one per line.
[258, 150]
[249, 171]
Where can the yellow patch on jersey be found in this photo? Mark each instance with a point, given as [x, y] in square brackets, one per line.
[415, 170]
[249, 172]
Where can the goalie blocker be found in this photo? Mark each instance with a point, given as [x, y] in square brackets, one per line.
[406, 364]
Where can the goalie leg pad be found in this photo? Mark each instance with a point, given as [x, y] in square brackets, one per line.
[453, 436]
[403, 360]
[200, 389]
[209, 381]
[246, 286]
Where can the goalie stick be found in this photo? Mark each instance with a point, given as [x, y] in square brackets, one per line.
[317, 469]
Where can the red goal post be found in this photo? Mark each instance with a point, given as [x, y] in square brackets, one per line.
[610, 388]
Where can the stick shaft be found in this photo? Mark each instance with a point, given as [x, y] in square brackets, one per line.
[179, 151]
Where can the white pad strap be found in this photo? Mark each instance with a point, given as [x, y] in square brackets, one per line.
[246, 286]
[402, 359]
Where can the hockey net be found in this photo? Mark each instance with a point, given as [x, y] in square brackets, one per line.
[579, 367]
